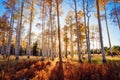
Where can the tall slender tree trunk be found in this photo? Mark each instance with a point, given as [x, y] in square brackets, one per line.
[17, 43]
[116, 14]
[49, 46]
[66, 50]
[108, 31]
[93, 37]
[48, 36]
[66, 45]
[52, 53]
[87, 33]
[18, 33]
[43, 27]
[77, 32]
[55, 39]
[100, 33]
[3, 45]
[31, 20]
[42, 38]
[97, 39]
[59, 38]
[71, 40]
[10, 32]
[89, 37]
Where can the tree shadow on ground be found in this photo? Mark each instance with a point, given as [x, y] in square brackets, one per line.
[57, 72]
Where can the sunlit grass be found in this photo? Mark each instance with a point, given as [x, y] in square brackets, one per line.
[96, 58]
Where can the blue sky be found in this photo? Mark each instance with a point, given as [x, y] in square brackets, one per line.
[114, 30]
[1, 7]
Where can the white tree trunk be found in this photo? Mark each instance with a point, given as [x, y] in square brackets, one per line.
[77, 32]
[17, 42]
[29, 40]
[10, 38]
[43, 28]
[18, 32]
[52, 54]
[87, 32]
[100, 33]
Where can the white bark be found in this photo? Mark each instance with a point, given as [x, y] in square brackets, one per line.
[87, 31]
[18, 32]
[100, 33]
[29, 40]
[43, 28]
[10, 33]
[17, 42]
[52, 54]
[77, 32]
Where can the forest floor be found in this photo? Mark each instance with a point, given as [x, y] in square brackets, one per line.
[70, 69]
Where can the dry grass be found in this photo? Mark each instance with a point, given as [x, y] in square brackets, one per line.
[96, 58]
[70, 69]
[54, 70]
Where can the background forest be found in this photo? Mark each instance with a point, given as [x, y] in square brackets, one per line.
[38, 34]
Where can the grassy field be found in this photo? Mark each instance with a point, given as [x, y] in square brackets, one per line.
[96, 58]
[70, 69]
